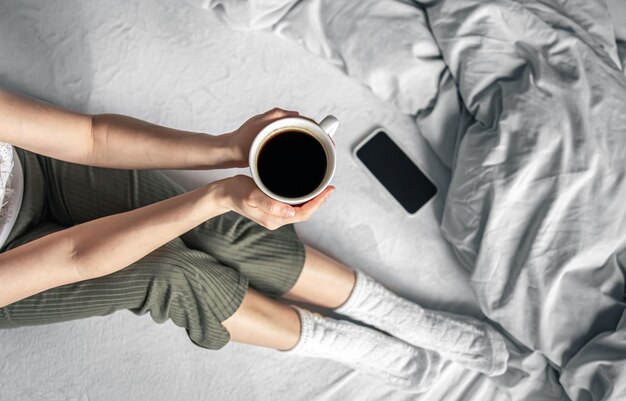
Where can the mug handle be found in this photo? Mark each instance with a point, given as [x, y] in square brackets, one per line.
[329, 124]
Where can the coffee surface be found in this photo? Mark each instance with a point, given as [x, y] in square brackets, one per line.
[292, 164]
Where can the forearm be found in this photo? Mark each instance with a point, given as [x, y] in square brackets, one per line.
[125, 142]
[108, 140]
[108, 244]
[101, 246]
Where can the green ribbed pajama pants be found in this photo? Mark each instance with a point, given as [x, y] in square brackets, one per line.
[197, 280]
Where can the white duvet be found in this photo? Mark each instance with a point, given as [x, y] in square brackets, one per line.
[525, 101]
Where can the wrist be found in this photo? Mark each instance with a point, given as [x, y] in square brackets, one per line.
[212, 151]
[217, 195]
[231, 147]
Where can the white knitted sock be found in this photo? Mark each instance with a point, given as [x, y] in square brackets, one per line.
[462, 339]
[367, 350]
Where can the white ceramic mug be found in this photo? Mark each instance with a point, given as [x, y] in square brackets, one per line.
[322, 132]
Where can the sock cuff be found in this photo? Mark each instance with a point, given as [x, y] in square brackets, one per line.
[306, 329]
[359, 292]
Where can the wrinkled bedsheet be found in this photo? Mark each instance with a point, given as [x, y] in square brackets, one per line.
[536, 206]
[524, 101]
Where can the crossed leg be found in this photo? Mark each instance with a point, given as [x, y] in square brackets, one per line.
[265, 322]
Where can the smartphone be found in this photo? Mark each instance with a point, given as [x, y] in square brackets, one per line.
[395, 171]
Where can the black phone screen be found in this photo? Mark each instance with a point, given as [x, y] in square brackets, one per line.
[398, 174]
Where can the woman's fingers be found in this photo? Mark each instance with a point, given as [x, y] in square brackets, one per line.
[268, 205]
[303, 212]
[277, 113]
[273, 214]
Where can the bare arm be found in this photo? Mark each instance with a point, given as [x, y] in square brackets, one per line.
[108, 244]
[117, 141]
[99, 247]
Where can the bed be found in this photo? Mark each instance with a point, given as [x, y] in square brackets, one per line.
[177, 63]
[523, 102]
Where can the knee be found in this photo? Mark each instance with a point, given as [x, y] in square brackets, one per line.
[197, 277]
[195, 292]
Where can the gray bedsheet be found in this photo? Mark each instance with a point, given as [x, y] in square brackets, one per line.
[535, 208]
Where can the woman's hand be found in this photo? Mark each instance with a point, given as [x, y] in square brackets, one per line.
[241, 139]
[240, 194]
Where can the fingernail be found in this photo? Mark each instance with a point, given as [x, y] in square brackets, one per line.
[289, 211]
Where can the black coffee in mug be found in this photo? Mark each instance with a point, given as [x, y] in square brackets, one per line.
[292, 163]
